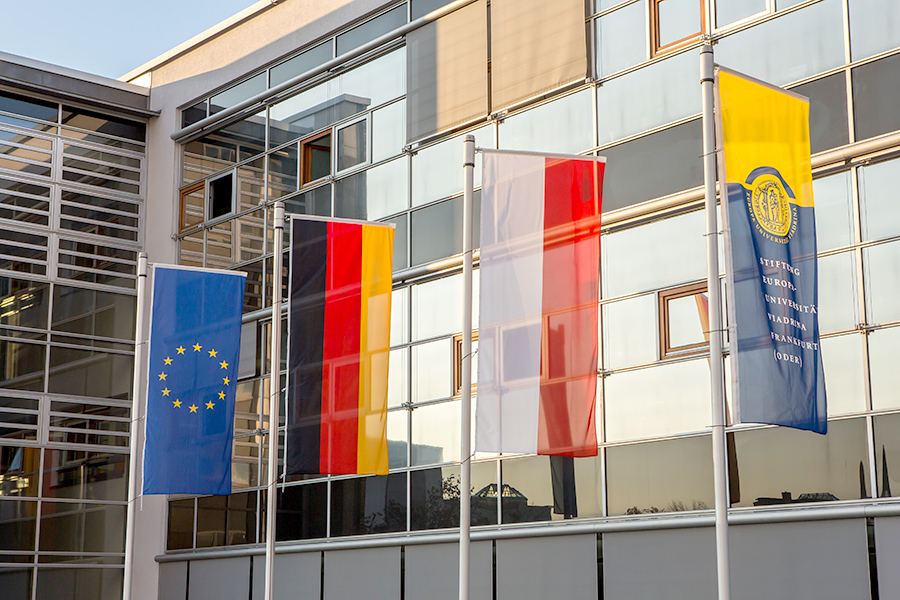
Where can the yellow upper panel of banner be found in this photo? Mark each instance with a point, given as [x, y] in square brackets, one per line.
[765, 129]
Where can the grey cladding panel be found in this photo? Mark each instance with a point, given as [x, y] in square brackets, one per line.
[561, 568]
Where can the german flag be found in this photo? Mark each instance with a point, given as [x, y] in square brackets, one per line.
[339, 337]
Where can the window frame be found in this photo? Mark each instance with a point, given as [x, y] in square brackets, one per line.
[666, 350]
[183, 193]
[656, 49]
[307, 146]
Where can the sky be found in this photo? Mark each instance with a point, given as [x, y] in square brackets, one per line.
[106, 37]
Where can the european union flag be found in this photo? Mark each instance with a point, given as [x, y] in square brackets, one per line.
[195, 338]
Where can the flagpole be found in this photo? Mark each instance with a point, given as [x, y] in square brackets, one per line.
[135, 420]
[465, 459]
[274, 396]
[720, 475]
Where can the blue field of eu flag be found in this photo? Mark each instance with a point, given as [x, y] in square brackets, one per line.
[195, 337]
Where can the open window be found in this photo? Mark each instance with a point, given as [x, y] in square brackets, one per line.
[191, 206]
[676, 23]
[683, 321]
[315, 158]
[457, 363]
[221, 196]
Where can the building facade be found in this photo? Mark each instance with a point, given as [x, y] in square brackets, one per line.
[357, 109]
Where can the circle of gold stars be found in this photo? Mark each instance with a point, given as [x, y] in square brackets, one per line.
[177, 403]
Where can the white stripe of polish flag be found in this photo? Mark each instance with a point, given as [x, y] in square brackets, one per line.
[540, 269]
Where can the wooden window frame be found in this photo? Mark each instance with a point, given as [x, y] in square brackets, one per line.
[663, 299]
[456, 381]
[306, 148]
[656, 48]
[199, 186]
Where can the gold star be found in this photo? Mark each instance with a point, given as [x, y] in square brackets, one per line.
[168, 361]
[162, 376]
[223, 364]
[209, 405]
[212, 353]
[193, 407]
[221, 395]
[166, 391]
[177, 403]
[180, 349]
[197, 347]
[225, 380]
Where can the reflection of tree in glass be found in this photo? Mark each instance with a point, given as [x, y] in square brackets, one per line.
[392, 518]
[673, 506]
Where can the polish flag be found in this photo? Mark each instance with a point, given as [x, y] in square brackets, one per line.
[540, 271]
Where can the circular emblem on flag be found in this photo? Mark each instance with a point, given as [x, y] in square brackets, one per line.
[769, 202]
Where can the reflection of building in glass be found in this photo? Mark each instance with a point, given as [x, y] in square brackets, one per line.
[90, 175]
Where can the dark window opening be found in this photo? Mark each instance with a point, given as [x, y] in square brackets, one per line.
[221, 196]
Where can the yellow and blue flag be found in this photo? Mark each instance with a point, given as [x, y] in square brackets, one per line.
[765, 164]
[195, 338]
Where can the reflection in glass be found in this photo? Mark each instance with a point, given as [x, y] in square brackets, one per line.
[303, 62]
[544, 488]
[180, 530]
[302, 512]
[660, 254]
[77, 527]
[388, 124]
[729, 11]
[24, 303]
[238, 93]
[780, 465]
[834, 219]
[432, 370]
[89, 373]
[810, 41]
[828, 127]
[677, 19]
[22, 367]
[283, 172]
[84, 475]
[436, 172]
[316, 201]
[884, 374]
[397, 438]
[875, 90]
[435, 434]
[371, 29]
[437, 229]
[882, 275]
[434, 496]
[540, 128]
[18, 466]
[92, 583]
[374, 193]
[668, 476]
[838, 300]
[29, 107]
[437, 307]
[368, 505]
[874, 27]
[844, 373]
[398, 377]
[662, 400]
[684, 326]
[401, 247]
[629, 332]
[621, 39]
[351, 145]
[887, 455]
[880, 210]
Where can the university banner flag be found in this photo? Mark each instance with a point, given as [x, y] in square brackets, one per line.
[338, 342]
[195, 339]
[773, 283]
[540, 271]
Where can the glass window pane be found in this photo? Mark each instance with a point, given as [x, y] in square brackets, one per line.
[398, 439]
[84, 475]
[368, 505]
[432, 371]
[874, 27]
[64, 527]
[192, 114]
[834, 218]
[672, 155]
[660, 93]
[22, 367]
[885, 376]
[684, 326]
[283, 172]
[437, 229]
[24, 303]
[670, 399]
[437, 307]
[212, 518]
[838, 292]
[91, 121]
[238, 93]
[19, 469]
[302, 512]
[401, 237]
[387, 130]
[887, 455]
[828, 126]
[92, 583]
[677, 19]
[729, 11]
[563, 125]
[844, 373]
[544, 488]
[621, 38]
[371, 29]
[780, 465]
[437, 172]
[882, 273]
[180, 535]
[351, 145]
[629, 332]
[660, 254]
[29, 107]
[90, 373]
[374, 193]
[879, 206]
[669, 476]
[398, 377]
[435, 433]
[875, 90]
[303, 62]
[92, 312]
[399, 316]
[312, 202]
[810, 41]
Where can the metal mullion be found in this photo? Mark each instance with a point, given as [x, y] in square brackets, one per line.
[28, 119]
[25, 147]
[31, 211]
[43, 135]
[28, 161]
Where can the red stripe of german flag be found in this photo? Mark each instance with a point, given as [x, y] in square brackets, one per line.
[340, 305]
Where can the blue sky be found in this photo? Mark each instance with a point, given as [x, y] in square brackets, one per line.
[107, 37]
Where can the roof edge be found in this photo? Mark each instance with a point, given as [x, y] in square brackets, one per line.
[31, 63]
